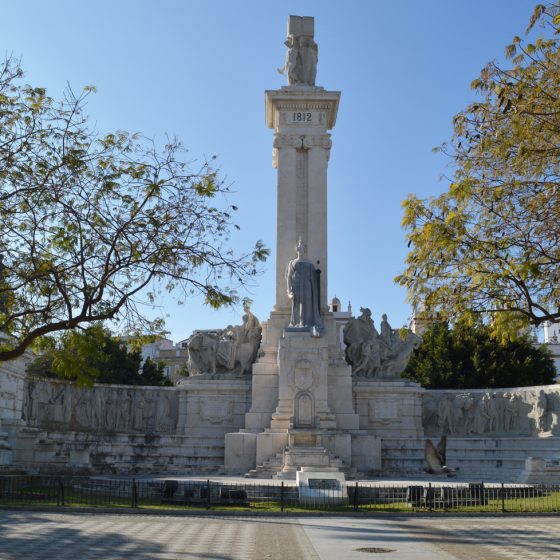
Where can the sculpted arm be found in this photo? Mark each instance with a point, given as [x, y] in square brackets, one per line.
[289, 285]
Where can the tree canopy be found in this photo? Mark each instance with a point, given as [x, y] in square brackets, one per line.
[468, 357]
[93, 355]
[93, 225]
[490, 244]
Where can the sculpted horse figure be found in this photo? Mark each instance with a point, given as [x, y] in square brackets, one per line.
[202, 349]
[376, 355]
[394, 363]
[232, 350]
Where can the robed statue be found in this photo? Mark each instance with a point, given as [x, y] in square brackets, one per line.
[303, 289]
[302, 52]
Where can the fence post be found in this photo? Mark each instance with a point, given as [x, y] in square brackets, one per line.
[134, 494]
[356, 499]
[503, 499]
[282, 496]
[60, 495]
[208, 494]
[430, 497]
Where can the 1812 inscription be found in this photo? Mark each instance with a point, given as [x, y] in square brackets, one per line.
[303, 117]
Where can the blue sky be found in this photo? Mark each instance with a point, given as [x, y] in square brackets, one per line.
[198, 70]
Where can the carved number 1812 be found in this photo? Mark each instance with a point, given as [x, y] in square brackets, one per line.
[302, 117]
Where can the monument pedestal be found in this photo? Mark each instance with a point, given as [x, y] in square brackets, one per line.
[390, 409]
[302, 413]
[302, 383]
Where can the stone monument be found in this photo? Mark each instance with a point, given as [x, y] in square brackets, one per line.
[297, 396]
[302, 414]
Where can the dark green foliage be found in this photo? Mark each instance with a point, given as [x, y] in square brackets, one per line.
[94, 355]
[152, 373]
[467, 357]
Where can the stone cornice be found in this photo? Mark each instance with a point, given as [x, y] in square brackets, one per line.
[299, 98]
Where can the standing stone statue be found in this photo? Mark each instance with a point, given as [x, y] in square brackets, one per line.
[386, 331]
[302, 54]
[308, 52]
[303, 290]
[290, 68]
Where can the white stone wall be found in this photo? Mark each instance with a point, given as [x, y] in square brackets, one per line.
[12, 380]
[59, 427]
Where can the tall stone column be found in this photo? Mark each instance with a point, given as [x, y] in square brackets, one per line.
[301, 117]
[302, 412]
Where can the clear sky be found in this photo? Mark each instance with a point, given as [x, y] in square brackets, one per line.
[198, 70]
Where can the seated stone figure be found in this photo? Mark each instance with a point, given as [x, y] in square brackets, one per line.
[372, 354]
[230, 350]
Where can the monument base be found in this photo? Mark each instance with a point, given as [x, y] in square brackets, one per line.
[390, 409]
[541, 471]
[320, 486]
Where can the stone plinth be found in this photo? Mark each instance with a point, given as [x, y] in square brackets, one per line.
[240, 452]
[366, 452]
[301, 400]
[212, 406]
[340, 392]
[318, 486]
[302, 384]
[541, 471]
[389, 408]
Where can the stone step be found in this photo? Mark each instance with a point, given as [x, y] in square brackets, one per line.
[274, 466]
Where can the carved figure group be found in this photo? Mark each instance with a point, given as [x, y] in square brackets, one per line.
[376, 355]
[231, 350]
[300, 66]
[105, 409]
[496, 412]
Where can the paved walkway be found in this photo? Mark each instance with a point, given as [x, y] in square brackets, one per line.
[36, 535]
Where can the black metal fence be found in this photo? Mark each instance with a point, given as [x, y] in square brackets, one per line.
[275, 496]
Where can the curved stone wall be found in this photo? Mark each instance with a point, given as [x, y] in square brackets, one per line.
[56, 405]
[524, 411]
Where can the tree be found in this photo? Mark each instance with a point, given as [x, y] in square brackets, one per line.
[468, 357]
[490, 245]
[93, 225]
[93, 355]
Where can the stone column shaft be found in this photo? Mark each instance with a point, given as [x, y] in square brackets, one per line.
[301, 117]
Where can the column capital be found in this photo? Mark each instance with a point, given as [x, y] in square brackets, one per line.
[299, 142]
[302, 141]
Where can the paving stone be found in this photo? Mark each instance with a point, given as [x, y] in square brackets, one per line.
[44, 535]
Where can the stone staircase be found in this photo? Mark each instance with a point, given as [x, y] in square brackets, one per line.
[478, 459]
[284, 466]
[268, 469]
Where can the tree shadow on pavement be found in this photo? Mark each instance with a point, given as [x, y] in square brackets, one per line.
[35, 536]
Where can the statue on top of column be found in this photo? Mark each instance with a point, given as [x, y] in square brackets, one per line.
[303, 289]
[302, 54]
